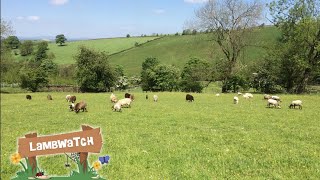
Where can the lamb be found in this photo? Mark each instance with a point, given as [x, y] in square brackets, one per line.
[189, 98]
[49, 97]
[80, 106]
[71, 106]
[125, 102]
[235, 100]
[116, 107]
[277, 98]
[274, 103]
[72, 99]
[296, 103]
[28, 97]
[155, 98]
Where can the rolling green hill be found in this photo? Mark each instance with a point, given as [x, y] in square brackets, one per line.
[65, 54]
[177, 50]
[174, 50]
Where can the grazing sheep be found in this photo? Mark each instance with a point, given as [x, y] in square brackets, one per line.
[217, 94]
[49, 97]
[155, 98]
[68, 97]
[248, 95]
[125, 102]
[239, 93]
[28, 97]
[189, 98]
[274, 103]
[296, 103]
[80, 106]
[277, 98]
[235, 100]
[266, 96]
[72, 99]
[116, 107]
[71, 106]
[147, 96]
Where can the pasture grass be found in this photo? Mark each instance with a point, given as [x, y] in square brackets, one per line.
[210, 138]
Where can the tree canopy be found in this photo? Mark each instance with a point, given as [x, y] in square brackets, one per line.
[94, 74]
[60, 39]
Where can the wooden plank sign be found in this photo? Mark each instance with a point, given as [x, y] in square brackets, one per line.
[82, 141]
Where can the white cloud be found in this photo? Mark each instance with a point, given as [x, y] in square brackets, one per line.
[58, 2]
[33, 18]
[28, 18]
[159, 11]
[195, 1]
[20, 17]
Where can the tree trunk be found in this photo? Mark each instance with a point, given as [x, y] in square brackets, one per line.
[304, 81]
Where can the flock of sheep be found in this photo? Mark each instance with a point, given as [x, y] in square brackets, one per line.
[273, 101]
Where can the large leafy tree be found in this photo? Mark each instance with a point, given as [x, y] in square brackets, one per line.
[94, 73]
[230, 22]
[195, 71]
[12, 42]
[60, 39]
[148, 66]
[26, 48]
[166, 77]
[299, 58]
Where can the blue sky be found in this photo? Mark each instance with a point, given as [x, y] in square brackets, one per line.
[97, 18]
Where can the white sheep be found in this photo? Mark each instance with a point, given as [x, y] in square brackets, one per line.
[116, 107]
[125, 102]
[274, 103]
[239, 93]
[235, 100]
[217, 94]
[155, 98]
[276, 98]
[266, 96]
[248, 95]
[296, 103]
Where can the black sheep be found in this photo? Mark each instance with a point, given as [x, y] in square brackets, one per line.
[28, 97]
[189, 98]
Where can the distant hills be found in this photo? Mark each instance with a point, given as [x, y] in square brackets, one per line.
[173, 49]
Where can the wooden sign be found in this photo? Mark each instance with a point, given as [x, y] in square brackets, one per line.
[89, 140]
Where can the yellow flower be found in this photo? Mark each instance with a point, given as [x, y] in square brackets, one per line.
[15, 158]
[96, 165]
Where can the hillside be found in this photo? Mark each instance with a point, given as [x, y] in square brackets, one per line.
[177, 50]
[65, 54]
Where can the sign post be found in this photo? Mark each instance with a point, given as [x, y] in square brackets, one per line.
[87, 140]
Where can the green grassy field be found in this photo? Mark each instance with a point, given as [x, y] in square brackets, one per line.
[210, 138]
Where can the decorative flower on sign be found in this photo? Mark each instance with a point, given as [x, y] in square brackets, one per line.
[15, 158]
[96, 165]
